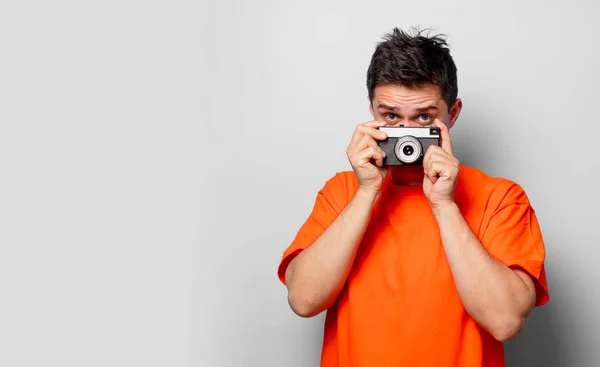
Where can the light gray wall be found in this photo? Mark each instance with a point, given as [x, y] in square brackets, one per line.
[288, 87]
[100, 181]
[157, 158]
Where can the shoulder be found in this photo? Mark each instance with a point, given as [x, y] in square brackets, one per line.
[340, 185]
[497, 192]
[346, 179]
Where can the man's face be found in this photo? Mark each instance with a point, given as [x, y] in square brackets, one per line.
[399, 105]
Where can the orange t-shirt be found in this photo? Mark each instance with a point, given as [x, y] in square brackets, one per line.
[399, 306]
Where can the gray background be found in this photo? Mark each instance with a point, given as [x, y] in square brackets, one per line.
[157, 158]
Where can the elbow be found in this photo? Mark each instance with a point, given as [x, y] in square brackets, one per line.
[508, 329]
[302, 305]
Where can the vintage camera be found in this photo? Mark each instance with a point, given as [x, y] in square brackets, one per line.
[407, 145]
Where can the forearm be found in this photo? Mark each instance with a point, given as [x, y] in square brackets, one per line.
[316, 276]
[494, 295]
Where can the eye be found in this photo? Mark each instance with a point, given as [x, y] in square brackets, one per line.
[424, 118]
[391, 116]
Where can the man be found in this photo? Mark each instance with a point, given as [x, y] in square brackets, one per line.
[430, 265]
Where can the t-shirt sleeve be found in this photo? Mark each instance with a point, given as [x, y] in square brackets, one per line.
[513, 237]
[328, 204]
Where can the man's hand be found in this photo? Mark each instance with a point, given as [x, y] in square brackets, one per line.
[366, 157]
[441, 171]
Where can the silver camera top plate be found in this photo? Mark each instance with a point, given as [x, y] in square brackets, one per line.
[417, 132]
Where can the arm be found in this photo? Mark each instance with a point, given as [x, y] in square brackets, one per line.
[316, 276]
[497, 297]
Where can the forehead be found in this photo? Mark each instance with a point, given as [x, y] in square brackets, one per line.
[405, 97]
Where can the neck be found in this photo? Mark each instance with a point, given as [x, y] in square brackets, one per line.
[407, 175]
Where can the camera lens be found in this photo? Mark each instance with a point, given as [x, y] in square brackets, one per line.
[408, 149]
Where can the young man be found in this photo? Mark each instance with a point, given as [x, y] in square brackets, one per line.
[430, 265]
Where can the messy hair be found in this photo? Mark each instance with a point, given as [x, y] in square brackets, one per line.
[413, 61]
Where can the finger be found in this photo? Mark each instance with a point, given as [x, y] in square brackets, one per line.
[371, 154]
[427, 180]
[437, 153]
[378, 157]
[433, 152]
[434, 171]
[427, 156]
[374, 123]
[374, 132]
[447, 170]
[358, 131]
[365, 142]
[445, 136]
[449, 164]
[430, 176]
[368, 128]
[436, 167]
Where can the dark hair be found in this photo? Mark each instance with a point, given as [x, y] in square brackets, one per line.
[413, 61]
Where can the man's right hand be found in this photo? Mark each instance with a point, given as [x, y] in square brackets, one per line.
[366, 157]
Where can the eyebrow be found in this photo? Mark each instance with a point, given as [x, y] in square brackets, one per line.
[386, 107]
[420, 109]
[426, 108]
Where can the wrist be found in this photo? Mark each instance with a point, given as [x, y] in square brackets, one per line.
[368, 194]
[444, 209]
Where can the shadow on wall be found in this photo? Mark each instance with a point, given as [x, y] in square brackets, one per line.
[538, 344]
[473, 144]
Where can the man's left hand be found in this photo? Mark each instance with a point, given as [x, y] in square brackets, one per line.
[441, 171]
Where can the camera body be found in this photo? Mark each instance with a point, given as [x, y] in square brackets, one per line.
[407, 145]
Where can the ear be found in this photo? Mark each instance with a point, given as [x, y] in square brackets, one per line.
[371, 107]
[455, 111]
